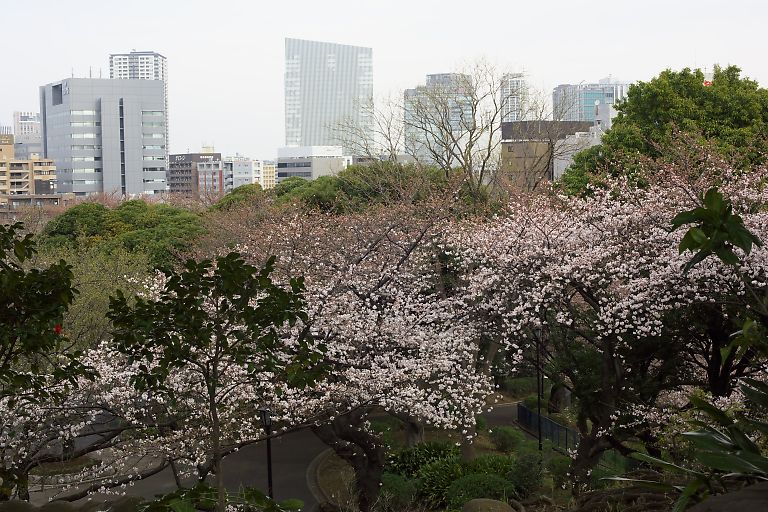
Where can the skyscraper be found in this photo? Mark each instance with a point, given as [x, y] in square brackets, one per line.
[105, 135]
[514, 93]
[433, 110]
[142, 66]
[578, 102]
[28, 134]
[326, 84]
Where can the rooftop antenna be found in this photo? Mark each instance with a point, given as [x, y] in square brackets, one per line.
[90, 71]
[73, 72]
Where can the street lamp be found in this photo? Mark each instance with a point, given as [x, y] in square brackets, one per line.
[266, 421]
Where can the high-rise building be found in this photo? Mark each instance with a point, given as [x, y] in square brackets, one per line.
[310, 162]
[579, 102]
[443, 104]
[142, 66]
[326, 85]
[106, 136]
[28, 134]
[514, 93]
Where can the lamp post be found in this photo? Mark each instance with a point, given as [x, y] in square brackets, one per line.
[266, 421]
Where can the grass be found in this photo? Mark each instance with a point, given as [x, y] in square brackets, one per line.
[63, 468]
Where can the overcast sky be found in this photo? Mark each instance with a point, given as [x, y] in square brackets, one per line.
[225, 57]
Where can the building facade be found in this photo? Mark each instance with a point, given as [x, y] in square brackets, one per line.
[34, 179]
[214, 178]
[579, 102]
[310, 162]
[142, 66]
[182, 172]
[105, 136]
[513, 92]
[268, 177]
[243, 170]
[326, 84]
[27, 132]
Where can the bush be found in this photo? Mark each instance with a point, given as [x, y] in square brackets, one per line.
[471, 487]
[481, 423]
[519, 386]
[398, 491]
[507, 439]
[491, 464]
[436, 477]
[531, 402]
[408, 461]
[525, 474]
[558, 467]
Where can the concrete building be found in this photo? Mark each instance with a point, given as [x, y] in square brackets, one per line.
[444, 97]
[182, 172]
[513, 93]
[105, 136]
[243, 170]
[214, 178]
[529, 150]
[268, 177]
[578, 102]
[326, 84]
[143, 66]
[27, 132]
[34, 179]
[6, 129]
[310, 162]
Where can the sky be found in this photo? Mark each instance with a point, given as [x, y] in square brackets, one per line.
[226, 57]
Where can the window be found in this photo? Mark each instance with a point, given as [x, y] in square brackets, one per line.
[153, 135]
[154, 147]
[154, 158]
[57, 97]
[85, 123]
[152, 112]
[83, 135]
[83, 112]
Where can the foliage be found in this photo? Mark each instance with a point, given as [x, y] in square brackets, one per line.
[474, 486]
[408, 461]
[239, 196]
[400, 491]
[717, 231]
[436, 477]
[525, 474]
[159, 230]
[205, 497]
[32, 307]
[732, 113]
[481, 424]
[507, 439]
[557, 466]
[519, 386]
[490, 464]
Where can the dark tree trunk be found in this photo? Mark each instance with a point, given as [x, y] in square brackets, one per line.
[558, 399]
[363, 451]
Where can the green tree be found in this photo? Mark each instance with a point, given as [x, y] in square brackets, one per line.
[240, 195]
[209, 320]
[731, 113]
[33, 347]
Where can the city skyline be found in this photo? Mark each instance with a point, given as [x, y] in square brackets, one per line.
[241, 109]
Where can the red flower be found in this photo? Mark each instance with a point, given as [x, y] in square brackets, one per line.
[57, 329]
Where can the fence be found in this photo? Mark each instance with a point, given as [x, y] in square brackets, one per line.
[565, 439]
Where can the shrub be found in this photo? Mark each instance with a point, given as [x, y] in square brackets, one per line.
[507, 439]
[519, 386]
[531, 402]
[491, 464]
[525, 474]
[407, 462]
[558, 467]
[436, 477]
[398, 491]
[481, 423]
[471, 487]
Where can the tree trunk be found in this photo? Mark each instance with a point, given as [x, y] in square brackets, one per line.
[468, 451]
[22, 486]
[558, 399]
[588, 454]
[363, 451]
[414, 429]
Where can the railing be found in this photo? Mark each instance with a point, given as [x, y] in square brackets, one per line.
[565, 439]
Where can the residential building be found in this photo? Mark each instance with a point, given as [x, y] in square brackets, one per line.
[242, 170]
[214, 178]
[529, 150]
[105, 136]
[143, 66]
[326, 84]
[182, 171]
[513, 93]
[268, 178]
[6, 129]
[567, 148]
[34, 179]
[445, 99]
[27, 132]
[310, 162]
[577, 102]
